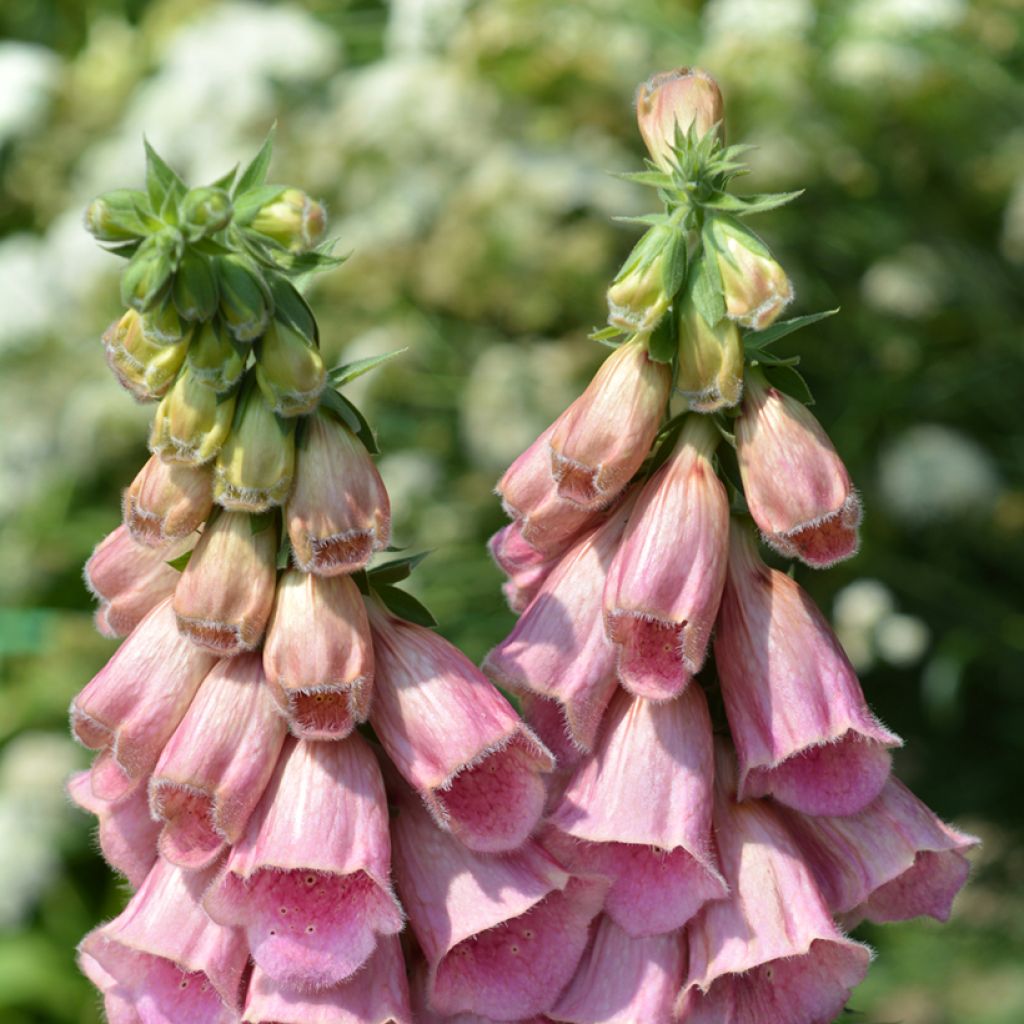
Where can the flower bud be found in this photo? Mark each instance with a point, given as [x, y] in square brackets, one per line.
[226, 591]
[148, 273]
[113, 216]
[191, 421]
[293, 220]
[195, 287]
[289, 370]
[596, 449]
[796, 486]
[339, 512]
[676, 101]
[245, 301]
[167, 501]
[710, 373]
[206, 210]
[644, 286]
[756, 287]
[142, 366]
[214, 359]
[253, 472]
[163, 326]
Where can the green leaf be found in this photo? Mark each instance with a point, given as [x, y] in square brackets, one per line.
[605, 333]
[248, 204]
[195, 287]
[256, 173]
[262, 520]
[347, 372]
[662, 345]
[791, 381]
[163, 186]
[395, 571]
[405, 606]
[756, 340]
[652, 178]
[211, 247]
[706, 289]
[225, 181]
[305, 264]
[180, 562]
[673, 269]
[284, 551]
[746, 205]
[650, 219]
[347, 413]
[291, 308]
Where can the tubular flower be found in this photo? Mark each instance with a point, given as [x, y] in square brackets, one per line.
[670, 104]
[167, 502]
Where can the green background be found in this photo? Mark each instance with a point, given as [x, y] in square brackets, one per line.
[463, 150]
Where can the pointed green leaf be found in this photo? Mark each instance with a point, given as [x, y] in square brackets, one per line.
[673, 269]
[347, 413]
[256, 173]
[654, 179]
[405, 606]
[395, 571]
[225, 181]
[248, 204]
[162, 184]
[746, 205]
[291, 308]
[755, 340]
[649, 219]
[707, 291]
[347, 372]
[604, 333]
[262, 520]
[662, 345]
[284, 551]
[791, 381]
[180, 562]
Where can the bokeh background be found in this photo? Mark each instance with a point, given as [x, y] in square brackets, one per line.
[464, 149]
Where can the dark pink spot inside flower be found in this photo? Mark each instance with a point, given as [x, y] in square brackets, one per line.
[650, 660]
[169, 996]
[189, 838]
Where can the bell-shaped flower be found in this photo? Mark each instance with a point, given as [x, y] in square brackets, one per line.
[671, 104]
[624, 979]
[525, 567]
[191, 422]
[290, 370]
[130, 579]
[641, 293]
[601, 441]
[802, 730]
[167, 502]
[339, 512]
[226, 592]
[665, 582]
[638, 812]
[318, 655]
[501, 935]
[756, 287]
[292, 219]
[770, 953]
[132, 705]
[454, 737]
[892, 861]
[144, 361]
[796, 486]
[378, 994]
[117, 1001]
[309, 881]
[169, 961]
[710, 374]
[218, 762]
[558, 649]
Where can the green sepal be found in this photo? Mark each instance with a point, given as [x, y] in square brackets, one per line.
[249, 203]
[195, 287]
[246, 300]
[649, 219]
[605, 334]
[256, 172]
[405, 606]
[744, 206]
[756, 341]
[262, 520]
[673, 268]
[652, 178]
[303, 265]
[163, 186]
[148, 274]
[347, 372]
[117, 216]
[395, 571]
[291, 308]
[706, 288]
[211, 247]
[351, 417]
[181, 561]
[225, 181]
[662, 344]
[284, 551]
[788, 379]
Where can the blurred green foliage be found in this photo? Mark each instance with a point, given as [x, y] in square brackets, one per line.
[463, 149]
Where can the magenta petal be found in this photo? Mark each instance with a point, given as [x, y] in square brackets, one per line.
[624, 980]
[309, 880]
[638, 811]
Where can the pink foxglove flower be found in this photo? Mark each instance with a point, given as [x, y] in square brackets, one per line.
[226, 591]
[339, 512]
[117, 1001]
[796, 711]
[638, 811]
[129, 580]
[454, 738]
[525, 566]
[673, 103]
[599, 443]
[797, 487]
[892, 861]
[168, 958]
[167, 501]
[770, 953]
[624, 979]
[134, 703]
[318, 655]
[665, 582]
[218, 762]
[501, 935]
[424, 1013]
[309, 882]
[378, 994]
[558, 650]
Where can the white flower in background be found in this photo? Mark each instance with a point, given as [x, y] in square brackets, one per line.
[758, 19]
[419, 26]
[868, 625]
[933, 472]
[906, 16]
[902, 639]
[25, 297]
[411, 477]
[911, 284]
[28, 74]
[868, 62]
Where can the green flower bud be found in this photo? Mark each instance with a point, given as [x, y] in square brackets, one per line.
[214, 359]
[710, 359]
[191, 422]
[293, 220]
[148, 273]
[205, 210]
[644, 287]
[254, 469]
[163, 326]
[195, 287]
[289, 370]
[144, 367]
[245, 300]
[114, 217]
[756, 288]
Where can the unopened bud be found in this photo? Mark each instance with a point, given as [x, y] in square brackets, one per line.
[293, 220]
[710, 359]
[756, 287]
[142, 366]
[191, 422]
[114, 217]
[206, 210]
[254, 469]
[214, 359]
[148, 274]
[245, 301]
[195, 287]
[226, 591]
[163, 326]
[290, 371]
[676, 101]
[644, 287]
[167, 501]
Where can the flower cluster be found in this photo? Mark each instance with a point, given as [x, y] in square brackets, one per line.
[734, 857]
